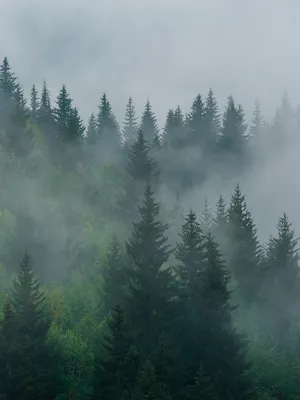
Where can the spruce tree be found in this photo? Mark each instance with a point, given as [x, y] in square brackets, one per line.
[107, 126]
[45, 115]
[232, 139]
[281, 286]
[62, 113]
[34, 104]
[113, 278]
[91, 130]
[245, 258]
[206, 218]
[8, 85]
[130, 126]
[257, 121]
[212, 119]
[195, 123]
[35, 376]
[116, 371]
[220, 224]
[223, 349]
[151, 285]
[75, 127]
[140, 169]
[149, 124]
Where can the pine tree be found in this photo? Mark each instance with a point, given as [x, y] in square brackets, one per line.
[114, 278]
[222, 350]
[8, 81]
[107, 126]
[212, 119]
[130, 128]
[220, 224]
[206, 218]
[149, 124]
[92, 129]
[281, 286]
[45, 113]
[35, 376]
[75, 127]
[62, 113]
[116, 373]
[195, 123]
[34, 104]
[140, 169]
[151, 287]
[232, 139]
[257, 121]
[245, 258]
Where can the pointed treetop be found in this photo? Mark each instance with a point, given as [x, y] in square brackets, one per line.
[149, 123]
[130, 126]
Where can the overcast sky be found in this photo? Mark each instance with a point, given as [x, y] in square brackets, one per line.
[164, 50]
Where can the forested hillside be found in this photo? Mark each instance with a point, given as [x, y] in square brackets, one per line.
[111, 287]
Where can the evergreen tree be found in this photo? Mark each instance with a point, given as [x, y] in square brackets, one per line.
[75, 127]
[282, 127]
[114, 278]
[107, 126]
[116, 373]
[140, 169]
[91, 133]
[45, 114]
[232, 140]
[169, 126]
[149, 124]
[206, 218]
[62, 113]
[212, 119]
[220, 225]
[257, 121]
[245, 258]
[130, 128]
[151, 287]
[195, 123]
[281, 286]
[34, 104]
[223, 349]
[8, 85]
[35, 375]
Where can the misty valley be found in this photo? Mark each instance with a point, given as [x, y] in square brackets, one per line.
[113, 286]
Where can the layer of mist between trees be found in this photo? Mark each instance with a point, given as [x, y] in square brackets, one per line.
[131, 264]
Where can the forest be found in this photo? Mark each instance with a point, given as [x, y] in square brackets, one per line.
[112, 287]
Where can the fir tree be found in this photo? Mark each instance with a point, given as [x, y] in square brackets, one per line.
[62, 113]
[130, 128]
[149, 124]
[45, 114]
[35, 376]
[107, 126]
[140, 169]
[114, 277]
[212, 119]
[245, 258]
[8, 81]
[257, 121]
[75, 127]
[232, 139]
[206, 218]
[220, 224]
[34, 104]
[223, 349]
[151, 287]
[281, 287]
[195, 122]
[91, 133]
[116, 373]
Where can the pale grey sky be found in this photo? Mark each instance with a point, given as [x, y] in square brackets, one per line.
[164, 50]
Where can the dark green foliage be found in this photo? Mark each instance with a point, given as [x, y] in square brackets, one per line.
[34, 104]
[244, 255]
[75, 127]
[62, 113]
[113, 277]
[92, 130]
[212, 119]
[195, 123]
[281, 286]
[130, 128]
[116, 372]
[45, 112]
[151, 287]
[107, 127]
[34, 376]
[149, 124]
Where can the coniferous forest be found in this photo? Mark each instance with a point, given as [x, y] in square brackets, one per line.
[112, 288]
